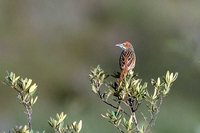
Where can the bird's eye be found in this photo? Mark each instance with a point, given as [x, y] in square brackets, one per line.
[125, 45]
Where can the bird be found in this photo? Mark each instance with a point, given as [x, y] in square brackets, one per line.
[127, 59]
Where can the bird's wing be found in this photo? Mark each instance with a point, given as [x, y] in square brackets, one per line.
[127, 60]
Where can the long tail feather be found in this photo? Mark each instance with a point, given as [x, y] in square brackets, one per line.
[123, 74]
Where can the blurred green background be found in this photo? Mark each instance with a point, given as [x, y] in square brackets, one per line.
[57, 42]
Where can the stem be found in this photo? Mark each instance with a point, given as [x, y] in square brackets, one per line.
[120, 129]
[110, 104]
[133, 108]
[26, 104]
[29, 115]
[135, 120]
[28, 111]
[118, 108]
[154, 116]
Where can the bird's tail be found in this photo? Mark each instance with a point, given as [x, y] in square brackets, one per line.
[123, 74]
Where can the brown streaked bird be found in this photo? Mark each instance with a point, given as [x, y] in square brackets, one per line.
[127, 59]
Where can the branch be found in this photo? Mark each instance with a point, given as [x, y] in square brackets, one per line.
[134, 118]
[120, 129]
[132, 92]
[135, 121]
[25, 89]
[28, 108]
[133, 106]
[154, 116]
[29, 115]
[110, 104]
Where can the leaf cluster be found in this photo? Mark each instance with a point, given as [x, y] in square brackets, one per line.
[23, 129]
[26, 90]
[59, 127]
[126, 97]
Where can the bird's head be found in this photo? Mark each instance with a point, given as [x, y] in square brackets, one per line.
[125, 45]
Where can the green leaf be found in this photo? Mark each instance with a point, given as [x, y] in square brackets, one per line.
[28, 83]
[79, 126]
[32, 89]
[94, 89]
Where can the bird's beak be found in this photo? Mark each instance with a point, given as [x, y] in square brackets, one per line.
[119, 45]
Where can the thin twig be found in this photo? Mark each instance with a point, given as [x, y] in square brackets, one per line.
[133, 115]
[154, 116]
[110, 104]
[135, 120]
[120, 129]
[29, 115]
[145, 118]
[28, 110]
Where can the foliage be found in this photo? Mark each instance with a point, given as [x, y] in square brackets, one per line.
[26, 94]
[26, 91]
[59, 127]
[126, 97]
